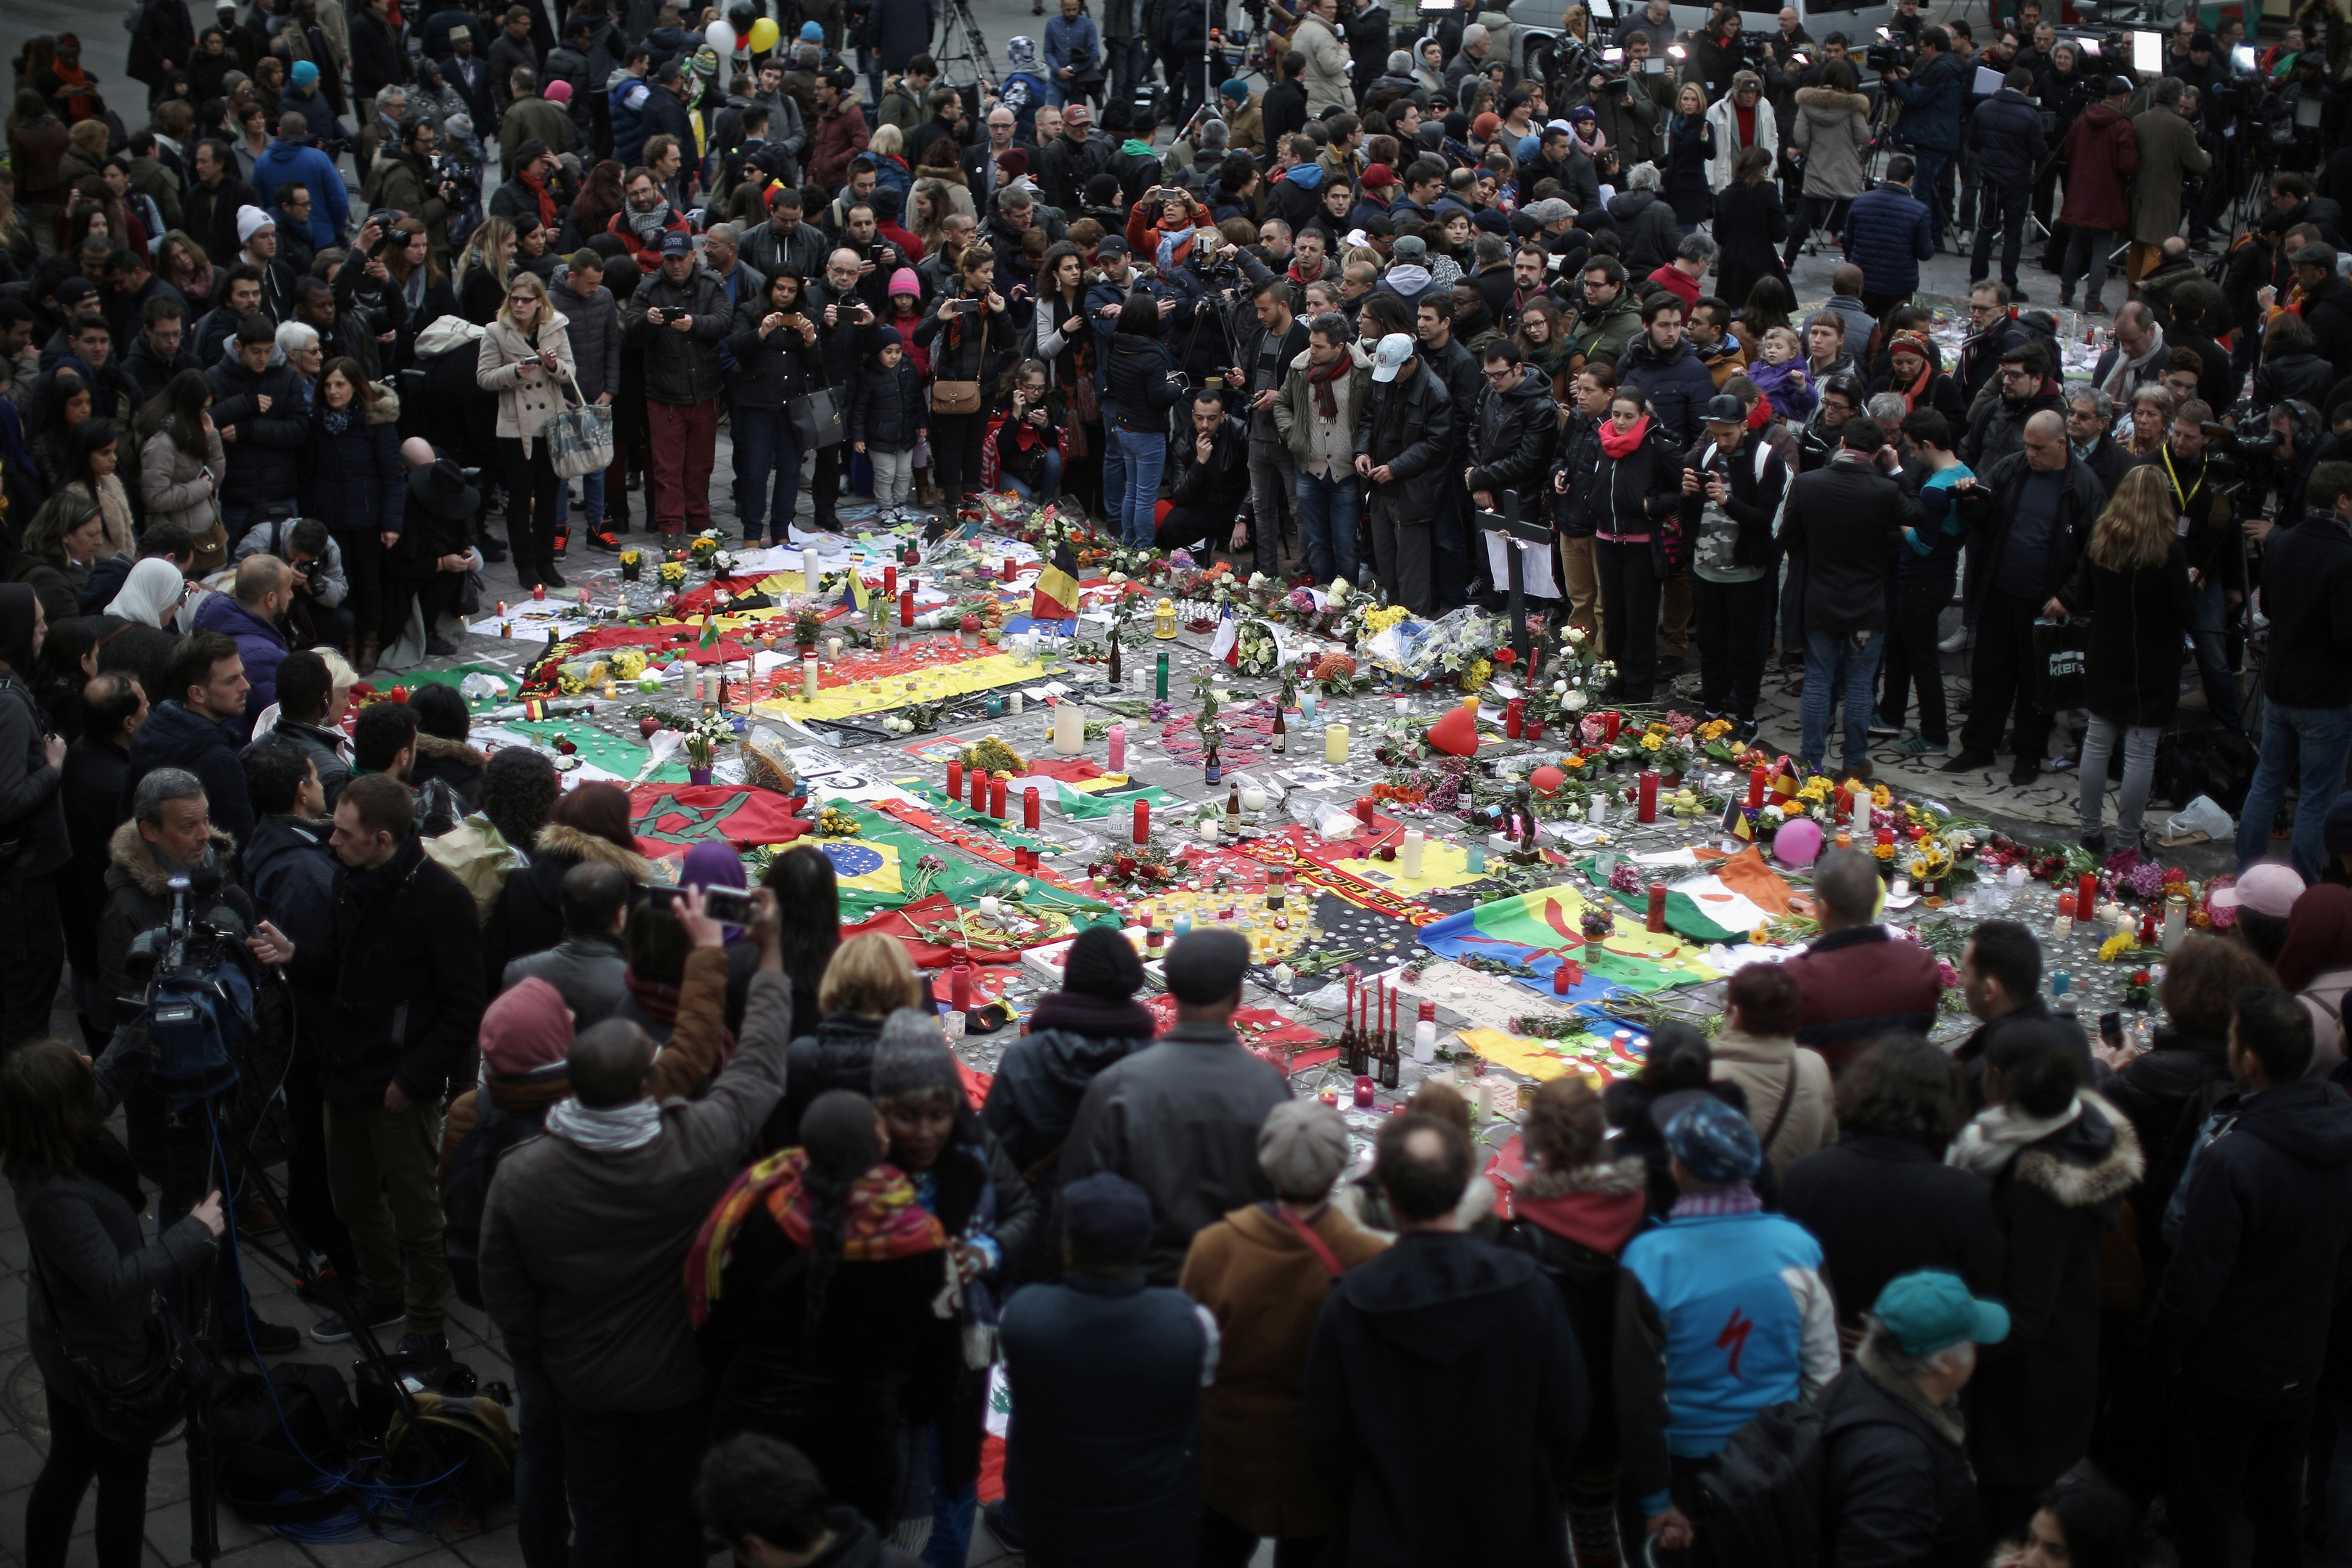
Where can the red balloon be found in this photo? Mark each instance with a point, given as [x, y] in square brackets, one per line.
[1548, 780]
[1456, 733]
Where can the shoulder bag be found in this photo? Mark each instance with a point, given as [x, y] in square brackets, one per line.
[819, 419]
[133, 1410]
[579, 436]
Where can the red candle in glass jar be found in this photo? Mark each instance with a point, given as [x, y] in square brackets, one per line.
[1613, 719]
[906, 605]
[1754, 787]
[2086, 894]
[1886, 837]
[1029, 808]
[890, 582]
[1142, 821]
[996, 799]
[1559, 981]
[955, 778]
[1364, 1091]
[2066, 906]
[960, 987]
[1004, 572]
[1514, 718]
[1364, 809]
[1649, 800]
[1657, 906]
[979, 789]
[1533, 730]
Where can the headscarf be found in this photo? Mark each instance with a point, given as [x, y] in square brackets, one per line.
[150, 595]
[711, 864]
[1914, 343]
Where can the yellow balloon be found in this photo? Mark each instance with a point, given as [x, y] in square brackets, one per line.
[763, 34]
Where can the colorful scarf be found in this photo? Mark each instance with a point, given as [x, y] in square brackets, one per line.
[1620, 443]
[884, 1222]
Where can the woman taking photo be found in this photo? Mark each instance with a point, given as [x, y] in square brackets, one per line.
[969, 336]
[1634, 504]
[776, 360]
[351, 476]
[483, 268]
[1066, 343]
[1141, 379]
[424, 289]
[90, 1295]
[525, 358]
[2133, 581]
[1027, 443]
[180, 462]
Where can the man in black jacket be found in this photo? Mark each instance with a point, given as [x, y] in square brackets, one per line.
[846, 335]
[678, 316]
[1731, 500]
[1844, 523]
[2006, 134]
[784, 243]
[1208, 477]
[2030, 516]
[210, 208]
[404, 963]
[1066, 163]
[1265, 342]
[1405, 445]
[2308, 680]
[2258, 1273]
[259, 408]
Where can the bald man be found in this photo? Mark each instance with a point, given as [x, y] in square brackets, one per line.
[2031, 513]
[251, 614]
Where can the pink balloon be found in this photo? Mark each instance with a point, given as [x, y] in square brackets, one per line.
[1797, 843]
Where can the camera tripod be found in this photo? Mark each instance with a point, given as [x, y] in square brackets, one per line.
[961, 43]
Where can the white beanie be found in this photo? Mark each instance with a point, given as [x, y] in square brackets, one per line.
[251, 221]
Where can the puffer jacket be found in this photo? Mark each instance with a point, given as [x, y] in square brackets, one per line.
[838, 1053]
[1138, 370]
[264, 461]
[772, 368]
[1931, 104]
[1898, 1486]
[1576, 475]
[886, 406]
[2102, 154]
[2005, 131]
[1512, 443]
[680, 367]
[1646, 223]
[1832, 129]
[526, 403]
[355, 480]
[1677, 385]
[1887, 234]
[172, 481]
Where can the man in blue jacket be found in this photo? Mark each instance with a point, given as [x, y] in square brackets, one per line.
[1931, 92]
[1669, 372]
[249, 616]
[1888, 232]
[291, 157]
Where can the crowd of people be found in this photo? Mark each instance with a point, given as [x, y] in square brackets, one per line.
[282, 366]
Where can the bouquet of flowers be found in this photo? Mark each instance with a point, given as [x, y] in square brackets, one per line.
[709, 730]
[1260, 648]
[673, 571]
[808, 624]
[707, 544]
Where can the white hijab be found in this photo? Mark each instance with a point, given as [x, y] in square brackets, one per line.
[150, 595]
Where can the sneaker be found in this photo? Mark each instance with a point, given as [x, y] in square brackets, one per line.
[1959, 642]
[552, 577]
[2065, 302]
[1920, 746]
[606, 541]
[254, 1218]
[2058, 765]
[434, 1345]
[1881, 730]
[1968, 763]
[375, 1314]
[2093, 308]
[1670, 665]
[271, 1339]
[2024, 773]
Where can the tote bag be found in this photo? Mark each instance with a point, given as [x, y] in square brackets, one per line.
[818, 418]
[579, 436]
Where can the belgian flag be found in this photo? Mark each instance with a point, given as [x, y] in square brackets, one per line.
[1055, 597]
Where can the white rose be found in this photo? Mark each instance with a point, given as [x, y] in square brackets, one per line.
[1574, 700]
[1575, 634]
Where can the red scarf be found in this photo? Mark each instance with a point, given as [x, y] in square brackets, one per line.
[1620, 443]
[546, 203]
[1321, 378]
[1917, 389]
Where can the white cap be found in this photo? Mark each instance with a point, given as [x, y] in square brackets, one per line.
[251, 221]
[1394, 349]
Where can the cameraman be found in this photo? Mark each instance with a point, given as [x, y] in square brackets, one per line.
[1209, 475]
[305, 544]
[403, 962]
[1930, 92]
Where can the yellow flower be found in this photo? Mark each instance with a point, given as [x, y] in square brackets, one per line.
[2115, 946]
[1881, 797]
[1571, 760]
[1884, 851]
[1653, 740]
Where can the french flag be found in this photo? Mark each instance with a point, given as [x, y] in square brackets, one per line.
[1228, 645]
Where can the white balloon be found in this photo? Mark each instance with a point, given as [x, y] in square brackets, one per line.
[720, 36]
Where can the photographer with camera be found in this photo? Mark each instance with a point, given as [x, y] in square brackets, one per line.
[1930, 92]
[968, 334]
[316, 614]
[402, 962]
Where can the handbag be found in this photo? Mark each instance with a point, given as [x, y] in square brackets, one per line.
[955, 397]
[817, 418]
[579, 436]
[135, 1410]
[2062, 658]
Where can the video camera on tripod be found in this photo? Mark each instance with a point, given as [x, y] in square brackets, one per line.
[197, 985]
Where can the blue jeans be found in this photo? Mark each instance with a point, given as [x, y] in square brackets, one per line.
[1044, 492]
[1145, 455]
[591, 501]
[1837, 657]
[764, 437]
[2209, 635]
[2315, 740]
[1924, 183]
[952, 1514]
[1326, 526]
[542, 1514]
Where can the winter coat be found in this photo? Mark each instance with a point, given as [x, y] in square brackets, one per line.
[265, 460]
[1178, 1119]
[1722, 123]
[1410, 427]
[452, 763]
[1859, 983]
[261, 645]
[1990, 508]
[1650, 230]
[1847, 518]
[355, 479]
[1897, 1488]
[2102, 155]
[527, 917]
[1575, 1224]
[886, 407]
[1832, 129]
[1690, 155]
[835, 139]
[2005, 131]
[1297, 412]
[171, 482]
[1883, 1206]
[527, 402]
[1217, 486]
[1442, 1332]
[1888, 232]
[1512, 442]
[1776, 1074]
[2169, 154]
[1998, 431]
[307, 166]
[1605, 335]
[1033, 1100]
[2306, 587]
[588, 968]
[176, 736]
[681, 367]
[1103, 1466]
[774, 368]
[2296, 375]
[1137, 373]
[1266, 1287]
[1677, 385]
[1931, 104]
[1749, 225]
[1314, 42]
[593, 329]
[31, 812]
[2138, 620]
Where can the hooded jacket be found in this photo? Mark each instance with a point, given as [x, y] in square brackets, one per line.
[1511, 445]
[1575, 1224]
[261, 645]
[1443, 1332]
[176, 736]
[264, 461]
[680, 367]
[2005, 131]
[2264, 1246]
[2102, 154]
[1033, 1101]
[527, 917]
[1832, 129]
[138, 898]
[1677, 384]
[1645, 221]
[886, 405]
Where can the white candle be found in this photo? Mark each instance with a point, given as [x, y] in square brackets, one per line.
[1013, 704]
[833, 647]
[1410, 856]
[808, 678]
[1208, 830]
[1253, 799]
[1069, 729]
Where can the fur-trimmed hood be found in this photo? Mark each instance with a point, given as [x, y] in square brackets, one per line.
[2095, 1160]
[556, 838]
[1829, 100]
[1600, 1205]
[438, 749]
[128, 850]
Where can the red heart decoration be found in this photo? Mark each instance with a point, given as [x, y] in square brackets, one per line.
[1456, 734]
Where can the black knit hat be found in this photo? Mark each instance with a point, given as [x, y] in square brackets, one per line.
[912, 1056]
[1102, 964]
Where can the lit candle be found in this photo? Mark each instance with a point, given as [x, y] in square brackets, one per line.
[955, 778]
[1649, 810]
[2064, 927]
[1069, 729]
[1029, 809]
[1755, 786]
[1365, 1091]
[1335, 743]
[1142, 821]
[1365, 809]
[1413, 840]
[1208, 830]
[996, 798]
[1118, 747]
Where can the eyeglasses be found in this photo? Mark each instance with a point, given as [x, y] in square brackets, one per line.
[522, 298]
[1501, 372]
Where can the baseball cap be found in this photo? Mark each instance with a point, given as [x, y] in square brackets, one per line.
[1932, 1310]
[1411, 250]
[1714, 1142]
[1724, 408]
[2266, 887]
[1394, 349]
[1110, 246]
[676, 243]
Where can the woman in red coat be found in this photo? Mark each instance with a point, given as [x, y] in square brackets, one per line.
[2102, 154]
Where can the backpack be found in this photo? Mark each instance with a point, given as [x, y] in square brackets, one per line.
[2215, 761]
[468, 1190]
[281, 1443]
[1761, 1502]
